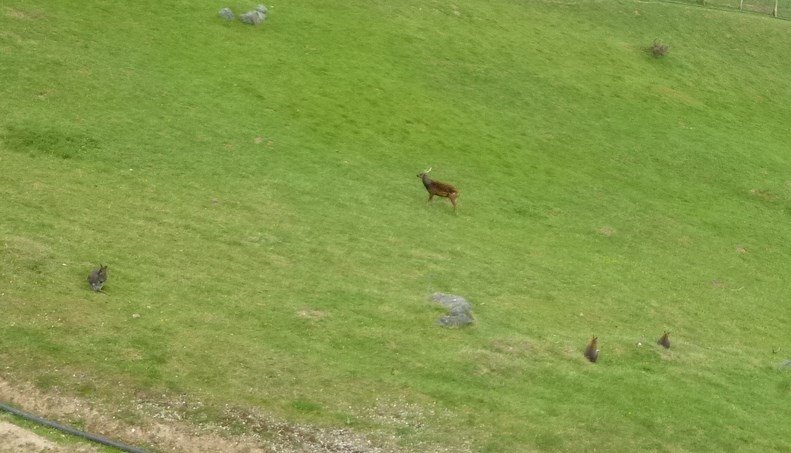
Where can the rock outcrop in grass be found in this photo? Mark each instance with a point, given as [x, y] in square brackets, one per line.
[254, 17]
[226, 14]
[459, 310]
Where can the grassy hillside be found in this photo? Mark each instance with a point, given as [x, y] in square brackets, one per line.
[253, 192]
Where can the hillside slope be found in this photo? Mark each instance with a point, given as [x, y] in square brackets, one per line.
[270, 250]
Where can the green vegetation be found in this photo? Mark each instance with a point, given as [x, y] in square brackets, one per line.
[253, 192]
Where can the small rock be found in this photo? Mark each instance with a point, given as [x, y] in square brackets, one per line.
[460, 310]
[455, 320]
[136, 315]
[226, 14]
[254, 17]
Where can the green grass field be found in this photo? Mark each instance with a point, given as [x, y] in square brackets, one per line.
[253, 192]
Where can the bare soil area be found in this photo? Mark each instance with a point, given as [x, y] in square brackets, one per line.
[165, 430]
[16, 439]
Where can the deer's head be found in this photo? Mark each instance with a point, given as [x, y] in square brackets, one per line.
[424, 173]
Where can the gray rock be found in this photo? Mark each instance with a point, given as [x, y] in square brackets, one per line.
[452, 302]
[455, 320]
[459, 310]
[261, 9]
[226, 14]
[253, 17]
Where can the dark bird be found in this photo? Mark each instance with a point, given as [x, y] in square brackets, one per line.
[592, 351]
[664, 340]
[97, 277]
[439, 188]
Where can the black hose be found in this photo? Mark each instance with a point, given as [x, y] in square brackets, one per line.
[70, 430]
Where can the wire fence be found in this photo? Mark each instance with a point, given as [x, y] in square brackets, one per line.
[780, 8]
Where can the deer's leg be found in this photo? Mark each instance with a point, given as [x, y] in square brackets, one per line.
[430, 196]
[453, 201]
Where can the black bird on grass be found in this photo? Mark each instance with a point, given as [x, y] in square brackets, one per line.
[592, 351]
[664, 341]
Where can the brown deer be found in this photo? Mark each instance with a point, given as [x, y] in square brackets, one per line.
[664, 341]
[439, 188]
[592, 351]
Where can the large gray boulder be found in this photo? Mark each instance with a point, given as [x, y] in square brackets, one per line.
[459, 310]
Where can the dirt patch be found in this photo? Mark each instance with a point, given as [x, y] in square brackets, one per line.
[764, 195]
[163, 426]
[15, 439]
[94, 418]
[23, 15]
[312, 314]
[606, 231]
